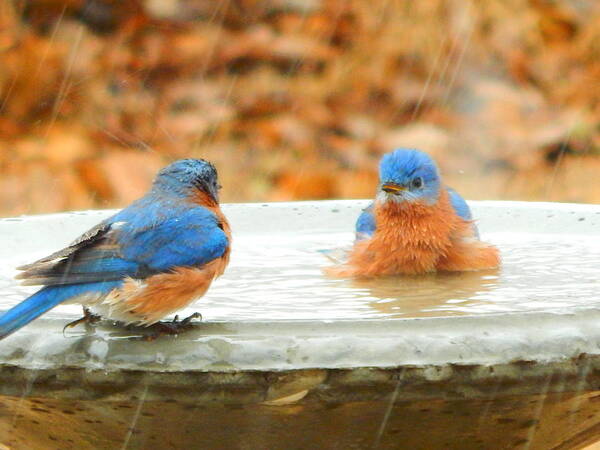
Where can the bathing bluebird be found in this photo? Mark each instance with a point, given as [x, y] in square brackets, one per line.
[415, 225]
[147, 261]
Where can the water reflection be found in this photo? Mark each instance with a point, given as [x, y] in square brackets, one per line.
[427, 295]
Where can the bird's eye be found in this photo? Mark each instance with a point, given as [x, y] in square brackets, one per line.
[417, 183]
[219, 187]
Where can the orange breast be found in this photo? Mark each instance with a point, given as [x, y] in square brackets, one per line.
[205, 200]
[167, 293]
[417, 238]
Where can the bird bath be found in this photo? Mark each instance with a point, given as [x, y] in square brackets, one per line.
[288, 359]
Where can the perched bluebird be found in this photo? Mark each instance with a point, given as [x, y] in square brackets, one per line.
[415, 225]
[147, 261]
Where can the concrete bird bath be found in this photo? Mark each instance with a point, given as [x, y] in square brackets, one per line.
[287, 359]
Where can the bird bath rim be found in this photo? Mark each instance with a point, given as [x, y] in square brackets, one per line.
[229, 346]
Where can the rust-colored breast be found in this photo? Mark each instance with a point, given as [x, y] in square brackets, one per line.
[203, 199]
[417, 238]
[165, 293]
[224, 224]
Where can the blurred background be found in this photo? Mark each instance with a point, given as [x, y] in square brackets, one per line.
[296, 99]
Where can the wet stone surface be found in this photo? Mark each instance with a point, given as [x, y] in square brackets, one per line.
[290, 359]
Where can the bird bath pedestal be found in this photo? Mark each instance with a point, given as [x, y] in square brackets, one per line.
[376, 376]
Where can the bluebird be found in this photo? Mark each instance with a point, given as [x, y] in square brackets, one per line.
[147, 261]
[415, 225]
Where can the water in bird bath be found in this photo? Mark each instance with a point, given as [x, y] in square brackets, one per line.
[278, 277]
[549, 264]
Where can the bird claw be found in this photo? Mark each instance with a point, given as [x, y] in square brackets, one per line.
[172, 328]
[187, 320]
[89, 318]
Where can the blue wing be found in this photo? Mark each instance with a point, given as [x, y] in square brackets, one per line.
[187, 237]
[365, 225]
[459, 204]
[149, 237]
[461, 208]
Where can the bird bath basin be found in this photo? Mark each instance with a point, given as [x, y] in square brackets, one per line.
[288, 359]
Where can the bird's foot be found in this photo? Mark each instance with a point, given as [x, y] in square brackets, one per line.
[171, 328]
[89, 318]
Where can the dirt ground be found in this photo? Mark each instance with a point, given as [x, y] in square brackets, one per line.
[296, 100]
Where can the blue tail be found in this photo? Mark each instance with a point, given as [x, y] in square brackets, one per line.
[29, 309]
[44, 300]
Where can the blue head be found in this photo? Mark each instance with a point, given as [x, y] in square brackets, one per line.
[408, 175]
[186, 175]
